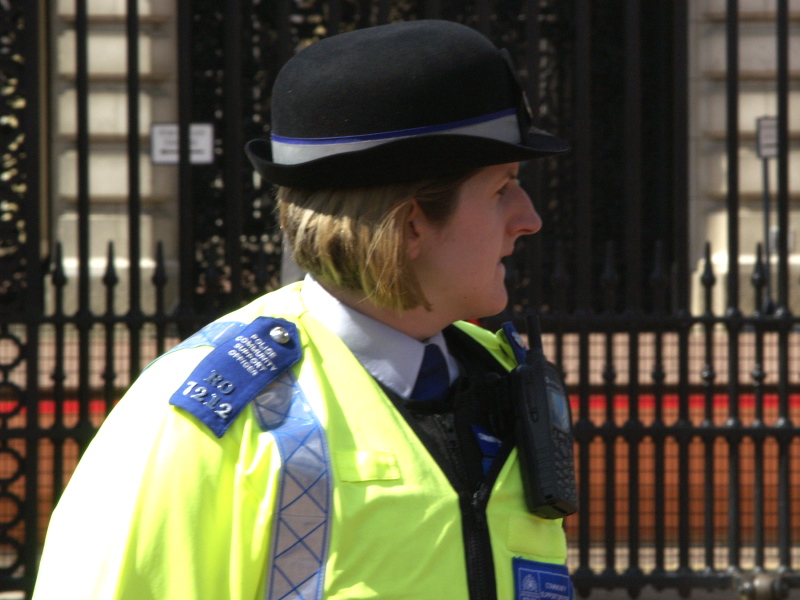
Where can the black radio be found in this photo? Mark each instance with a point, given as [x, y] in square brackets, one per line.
[543, 430]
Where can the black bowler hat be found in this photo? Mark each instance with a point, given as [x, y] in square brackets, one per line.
[396, 103]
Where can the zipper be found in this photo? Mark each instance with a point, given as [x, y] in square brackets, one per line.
[473, 502]
[478, 546]
[448, 431]
[477, 542]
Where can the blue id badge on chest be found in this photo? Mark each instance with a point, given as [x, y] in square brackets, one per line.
[541, 581]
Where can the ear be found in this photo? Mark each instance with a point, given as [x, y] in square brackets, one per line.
[414, 229]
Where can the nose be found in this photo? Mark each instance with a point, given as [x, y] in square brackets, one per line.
[526, 220]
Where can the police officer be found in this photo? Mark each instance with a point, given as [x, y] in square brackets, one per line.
[340, 437]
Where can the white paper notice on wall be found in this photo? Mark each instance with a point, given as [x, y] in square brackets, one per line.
[164, 143]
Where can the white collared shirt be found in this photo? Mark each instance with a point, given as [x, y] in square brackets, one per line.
[390, 356]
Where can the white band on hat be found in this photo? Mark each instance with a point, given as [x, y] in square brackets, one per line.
[502, 126]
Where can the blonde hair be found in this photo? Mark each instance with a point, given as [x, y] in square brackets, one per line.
[355, 238]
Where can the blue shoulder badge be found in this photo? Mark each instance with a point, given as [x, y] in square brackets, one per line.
[517, 343]
[226, 380]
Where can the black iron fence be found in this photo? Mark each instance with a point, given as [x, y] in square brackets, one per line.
[687, 446]
[687, 452]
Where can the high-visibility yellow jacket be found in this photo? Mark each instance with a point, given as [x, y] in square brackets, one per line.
[318, 489]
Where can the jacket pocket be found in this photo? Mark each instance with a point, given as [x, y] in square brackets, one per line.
[367, 465]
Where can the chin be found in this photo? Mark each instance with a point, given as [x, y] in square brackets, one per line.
[490, 308]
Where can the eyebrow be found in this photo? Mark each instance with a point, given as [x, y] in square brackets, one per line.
[511, 173]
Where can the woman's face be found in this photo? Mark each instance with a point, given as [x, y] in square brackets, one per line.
[459, 263]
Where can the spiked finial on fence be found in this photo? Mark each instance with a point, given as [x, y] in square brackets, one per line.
[59, 278]
[110, 278]
[160, 274]
[160, 282]
[759, 279]
[708, 279]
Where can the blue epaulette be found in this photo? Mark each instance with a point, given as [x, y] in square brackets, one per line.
[245, 359]
[518, 345]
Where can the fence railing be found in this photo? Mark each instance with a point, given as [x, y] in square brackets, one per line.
[686, 457]
[687, 445]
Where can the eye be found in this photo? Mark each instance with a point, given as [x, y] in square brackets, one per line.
[509, 184]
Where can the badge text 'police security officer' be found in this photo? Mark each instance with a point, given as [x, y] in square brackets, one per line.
[228, 378]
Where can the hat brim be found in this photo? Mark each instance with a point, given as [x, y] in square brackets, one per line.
[401, 161]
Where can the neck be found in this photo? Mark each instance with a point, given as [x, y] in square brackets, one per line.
[417, 323]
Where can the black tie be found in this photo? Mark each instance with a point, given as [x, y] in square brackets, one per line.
[433, 378]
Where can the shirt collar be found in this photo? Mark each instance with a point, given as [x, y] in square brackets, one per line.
[390, 356]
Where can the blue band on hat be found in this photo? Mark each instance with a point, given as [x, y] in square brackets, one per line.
[501, 126]
[388, 135]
